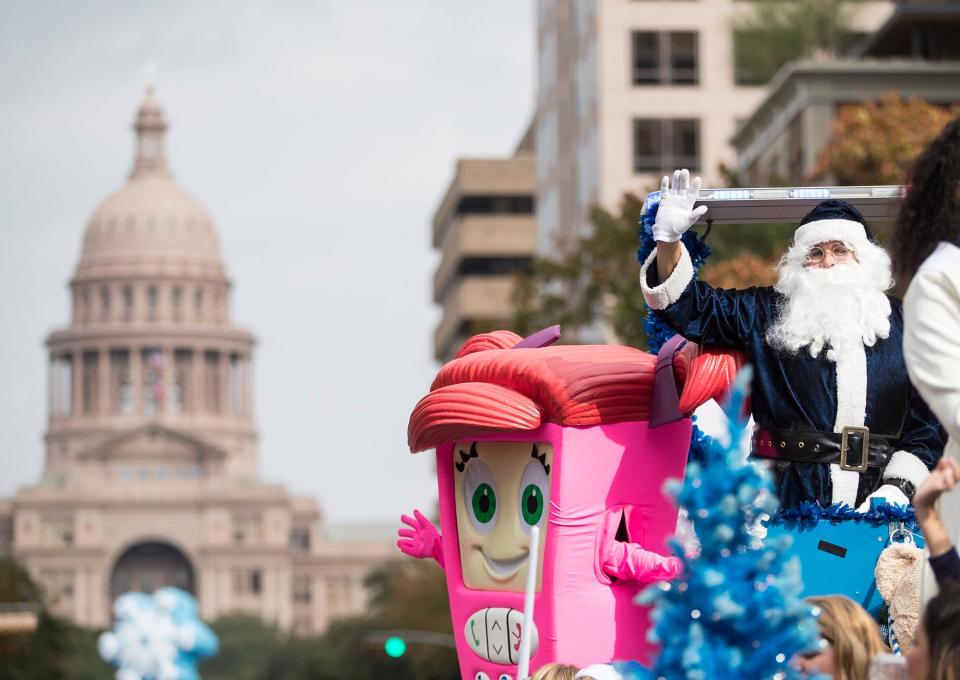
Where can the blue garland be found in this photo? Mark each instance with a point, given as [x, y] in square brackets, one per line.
[808, 514]
[736, 610]
[657, 331]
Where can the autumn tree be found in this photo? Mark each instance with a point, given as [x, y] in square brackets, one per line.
[875, 142]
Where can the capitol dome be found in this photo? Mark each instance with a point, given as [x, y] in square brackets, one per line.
[151, 225]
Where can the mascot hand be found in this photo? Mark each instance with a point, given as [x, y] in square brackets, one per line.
[676, 214]
[422, 538]
[888, 493]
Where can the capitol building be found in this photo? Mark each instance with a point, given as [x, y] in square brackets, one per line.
[151, 469]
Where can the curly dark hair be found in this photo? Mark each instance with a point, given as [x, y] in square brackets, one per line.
[931, 211]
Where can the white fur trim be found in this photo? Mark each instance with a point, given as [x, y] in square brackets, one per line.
[851, 363]
[821, 231]
[845, 484]
[905, 465]
[669, 291]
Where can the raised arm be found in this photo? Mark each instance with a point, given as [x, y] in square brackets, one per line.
[693, 309]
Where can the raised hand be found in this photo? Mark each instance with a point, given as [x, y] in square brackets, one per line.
[676, 215]
[421, 539]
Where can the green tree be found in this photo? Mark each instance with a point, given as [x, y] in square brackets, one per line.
[771, 33]
[42, 654]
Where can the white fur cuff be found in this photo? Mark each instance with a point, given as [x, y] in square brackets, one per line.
[669, 291]
[905, 465]
[845, 484]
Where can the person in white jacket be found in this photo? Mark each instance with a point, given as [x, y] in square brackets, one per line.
[927, 250]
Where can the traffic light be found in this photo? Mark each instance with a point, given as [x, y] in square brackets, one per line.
[395, 647]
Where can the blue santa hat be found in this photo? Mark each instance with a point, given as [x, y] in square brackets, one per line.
[833, 220]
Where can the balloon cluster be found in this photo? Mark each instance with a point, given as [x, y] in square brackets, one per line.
[158, 637]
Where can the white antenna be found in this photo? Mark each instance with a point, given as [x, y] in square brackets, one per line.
[523, 668]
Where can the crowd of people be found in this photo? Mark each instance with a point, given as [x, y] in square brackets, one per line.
[855, 395]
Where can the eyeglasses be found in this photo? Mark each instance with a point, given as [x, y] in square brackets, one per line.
[839, 252]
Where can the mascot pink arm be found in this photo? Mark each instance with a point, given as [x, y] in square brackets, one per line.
[630, 561]
[422, 538]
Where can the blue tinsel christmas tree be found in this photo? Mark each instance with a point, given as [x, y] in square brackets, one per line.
[736, 610]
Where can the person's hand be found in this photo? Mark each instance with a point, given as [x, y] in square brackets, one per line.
[889, 493]
[943, 477]
[422, 538]
[676, 214]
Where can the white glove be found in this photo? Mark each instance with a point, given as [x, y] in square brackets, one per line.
[676, 214]
[889, 493]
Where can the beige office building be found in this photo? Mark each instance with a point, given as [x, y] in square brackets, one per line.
[151, 469]
[631, 89]
[485, 230]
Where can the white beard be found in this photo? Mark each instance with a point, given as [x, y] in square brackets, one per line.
[837, 307]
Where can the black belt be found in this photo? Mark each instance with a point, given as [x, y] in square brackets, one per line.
[845, 448]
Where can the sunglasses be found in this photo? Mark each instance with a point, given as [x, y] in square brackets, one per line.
[839, 252]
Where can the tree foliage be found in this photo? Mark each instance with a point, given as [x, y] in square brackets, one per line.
[408, 595]
[779, 31]
[875, 142]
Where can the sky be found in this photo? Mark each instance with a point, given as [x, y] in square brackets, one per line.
[320, 136]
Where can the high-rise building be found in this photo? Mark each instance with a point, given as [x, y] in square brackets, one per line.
[628, 90]
[485, 230]
[151, 471]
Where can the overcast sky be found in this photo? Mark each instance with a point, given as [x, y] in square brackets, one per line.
[320, 136]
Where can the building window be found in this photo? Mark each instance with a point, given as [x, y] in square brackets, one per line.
[127, 303]
[198, 304]
[338, 594]
[104, 303]
[121, 385]
[90, 382]
[247, 529]
[300, 538]
[57, 530]
[85, 305]
[663, 145]
[495, 205]
[153, 364]
[668, 58]
[152, 303]
[302, 588]
[180, 397]
[177, 302]
[247, 581]
[211, 368]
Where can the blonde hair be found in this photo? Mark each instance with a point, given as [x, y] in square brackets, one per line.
[854, 635]
[555, 671]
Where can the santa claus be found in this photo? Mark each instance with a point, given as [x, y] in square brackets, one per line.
[835, 412]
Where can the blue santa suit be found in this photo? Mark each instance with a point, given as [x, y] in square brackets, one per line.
[863, 386]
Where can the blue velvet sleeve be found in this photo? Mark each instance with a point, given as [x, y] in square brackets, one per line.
[717, 316]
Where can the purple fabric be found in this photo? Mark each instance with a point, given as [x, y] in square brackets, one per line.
[543, 338]
[665, 405]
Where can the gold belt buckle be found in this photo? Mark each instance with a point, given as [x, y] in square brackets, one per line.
[844, 448]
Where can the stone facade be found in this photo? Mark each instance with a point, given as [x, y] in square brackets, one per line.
[151, 471]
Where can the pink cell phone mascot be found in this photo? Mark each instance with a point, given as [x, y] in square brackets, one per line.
[561, 438]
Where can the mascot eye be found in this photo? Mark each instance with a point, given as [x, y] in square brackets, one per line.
[480, 495]
[534, 494]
